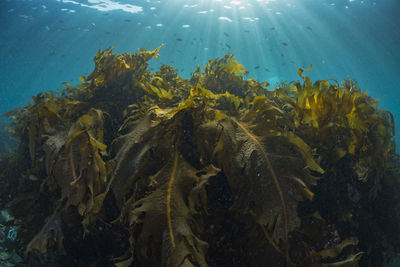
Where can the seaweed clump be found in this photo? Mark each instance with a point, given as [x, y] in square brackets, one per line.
[132, 168]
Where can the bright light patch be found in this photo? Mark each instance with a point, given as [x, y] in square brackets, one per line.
[107, 5]
[248, 19]
[186, 26]
[225, 18]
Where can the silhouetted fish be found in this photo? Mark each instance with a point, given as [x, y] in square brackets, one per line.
[179, 39]
[284, 44]
[227, 45]
[257, 67]
[282, 55]
[309, 28]
[246, 31]
[195, 58]
[272, 28]
[127, 20]
[227, 35]
[266, 69]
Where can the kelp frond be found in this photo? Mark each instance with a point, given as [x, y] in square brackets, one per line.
[275, 178]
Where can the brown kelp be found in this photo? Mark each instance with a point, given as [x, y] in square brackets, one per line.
[133, 168]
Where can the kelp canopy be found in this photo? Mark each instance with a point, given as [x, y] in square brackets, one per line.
[133, 168]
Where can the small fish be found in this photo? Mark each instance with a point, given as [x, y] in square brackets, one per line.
[195, 57]
[272, 28]
[179, 51]
[108, 32]
[257, 67]
[227, 35]
[179, 39]
[266, 69]
[105, 14]
[227, 45]
[282, 55]
[127, 20]
[309, 28]
[246, 31]
[284, 44]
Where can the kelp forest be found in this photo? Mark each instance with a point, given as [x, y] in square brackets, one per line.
[134, 167]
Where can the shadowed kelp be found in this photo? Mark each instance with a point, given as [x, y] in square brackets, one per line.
[138, 168]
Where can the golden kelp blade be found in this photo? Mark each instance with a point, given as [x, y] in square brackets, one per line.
[300, 71]
[147, 55]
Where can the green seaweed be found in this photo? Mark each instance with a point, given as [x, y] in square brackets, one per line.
[139, 162]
